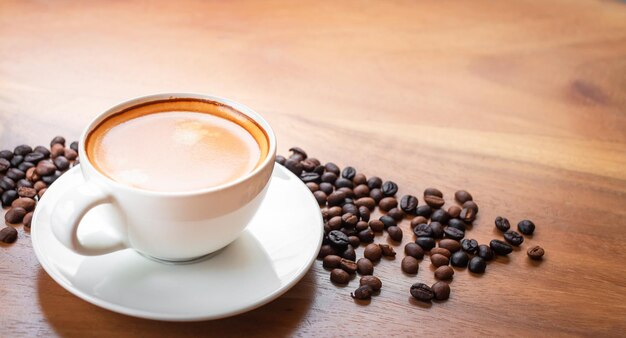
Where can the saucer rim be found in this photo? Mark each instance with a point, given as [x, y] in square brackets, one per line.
[173, 317]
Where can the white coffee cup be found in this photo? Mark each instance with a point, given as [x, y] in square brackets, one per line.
[177, 226]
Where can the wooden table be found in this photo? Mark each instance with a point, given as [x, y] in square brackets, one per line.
[520, 102]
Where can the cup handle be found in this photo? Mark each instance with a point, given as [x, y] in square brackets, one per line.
[70, 210]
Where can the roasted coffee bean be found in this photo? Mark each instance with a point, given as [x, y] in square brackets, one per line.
[349, 192]
[444, 272]
[336, 198]
[45, 168]
[51, 178]
[526, 227]
[418, 220]
[367, 202]
[453, 233]
[350, 208]
[484, 252]
[441, 290]
[388, 221]
[372, 281]
[376, 194]
[348, 172]
[462, 196]
[387, 203]
[459, 258]
[309, 166]
[313, 187]
[280, 159]
[374, 182]
[57, 150]
[4, 165]
[502, 224]
[329, 177]
[27, 192]
[426, 243]
[414, 250]
[40, 185]
[349, 220]
[423, 210]
[58, 140]
[16, 160]
[439, 260]
[15, 215]
[361, 191]
[362, 292]
[25, 166]
[432, 192]
[8, 197]
[326, 250]
[360, 179]
[347, 265]
[434, 201]
[364, 266]
[396, 214]
[457, 223]
[477, 265]
[440, 216]
[344, 183]
[536, 252]
[500, 248]
[389, 188]
[361, 225]
[364, 213]
[409, 265]
[440, 251]
[24, 202]
[331, 262]
[320, 197]
[15, 174]
[41, 192]
[338, 239]
[305, 177]
[339, 276]
[8, 235]
[335, 223]
[293, 166]
[22, 150]
[73, 146]
[395, 233]
[349, 253]
[513, 238]
[23, 183]
[450, 244]
[6, 154]
[469, 245]
[468, 215]
[373, 252]
[423, 230]
[422, 292]
[70, 154]
[332, 168]
[31, 175]
[471, 205]
[437, 229]
[387, 250]
[454, 211]
[408, 204]
[377, 225]
[327, 188]
[34, 157]
[319, 170]
[44, 151]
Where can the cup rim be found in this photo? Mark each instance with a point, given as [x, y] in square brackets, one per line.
[243, 109]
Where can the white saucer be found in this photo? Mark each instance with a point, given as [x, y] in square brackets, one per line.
[271, 256]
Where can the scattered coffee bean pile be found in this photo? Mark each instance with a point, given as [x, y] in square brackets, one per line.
[25, 174]
[347, 199]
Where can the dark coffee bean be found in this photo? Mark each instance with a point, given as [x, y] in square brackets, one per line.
[389, 189]
[513, 238]
[423, 230]
[536, 252]
[320, 171]
[280, 159]
[336, 198]
[526, 227]
[426, 243]
[309, 166]
[439, 260]
[8, 235]
[459, 258]
[484, 252]
[293, 166]
[388, 221]
[22, 150]
[305, 177]
[70, 154]
[350, 208]
[450, 244]
[457, 223]
[468, 215]
[440, 251]
[361, 225]
[377, 225]
[408, 204]
[329, 177]
[349, 220]
[362, 292]
[360, 179]
[25, 166]
[339, 276]
[45, 168]
[7, 184]
[313, 187]
[338, 239]
[395, 233]
[15, 215]
[15, 174]
[6, 154]
[332, 168]
[453, 233]
[361, 191]
[41, 192]
[477, 265]
[418, 220]
[296, 157]
[348, 172]
[16, 160]
[8, 197]
[58, 140]
[347, 265]
[372, 281]
[502, 224]
[462, 196]
[437, 229]
[34, 157]
[327, 188]
[40, 185]
[422, 292]
[373, 252]
[366, 202]
[364, 213]
[387, 203]
[31, 174]
[26, 192]
[387, 250]
[376, 194]
[344, 183]
[349, 253]
[320, 197]
[349, 192]
[396, 214]
[331, 262]
[469, 245]
[444, 272]
[440, 216]
[25, 203]
[374, 182]
[51, 178]
[326, 250]
[471, 205]
[414, 250]
[4, 165]
[43, 150]
[423, 210]
[434, 201]
[433, 192]
[454, 211]
[500, 248]
[409, 265]
[441, 290]
[364, 267]
[73, 146]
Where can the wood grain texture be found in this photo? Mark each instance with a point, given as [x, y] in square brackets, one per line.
[520, 102]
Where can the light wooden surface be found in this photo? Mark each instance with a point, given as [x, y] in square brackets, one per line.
[520, 102]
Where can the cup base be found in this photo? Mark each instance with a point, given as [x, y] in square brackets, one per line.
[184, 261]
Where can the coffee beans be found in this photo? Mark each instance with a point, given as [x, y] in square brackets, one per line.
[8, 197]
[331, 261]
[453, 233]
[338, 239]
[462, 196]
[409, 265]
[348, 265]
[426, 243]
[433, 192]
[374, 182]
[320, 197]
[362, 292]
[389, 188]
[502, 224]
[469, 245]
[526, 227]
[395, 233]
[373, 252]
[439, 260]
[434, 201]
[364, 266]
[441, 290]
[339, 276]
[440, 251]
[366, 202]
[513, 238]
[477, 265]
[414, 250]
[423, 230]
[8, 235]
[450, 244]
[500, 248]
[388, 221]
[484, 252]
[336, 198]
[387, 203]
[377, 225]
[422, 292]
[15, 215]
[459, 258]
[371, 281]
[387, 250]
[468, 215]
[396, 214]
[536, 252]
[444, 272]
[408, 204]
